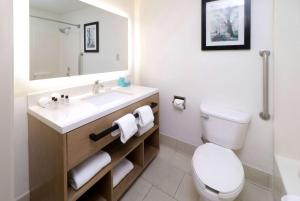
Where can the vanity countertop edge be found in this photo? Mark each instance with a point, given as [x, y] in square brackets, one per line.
[91, 114]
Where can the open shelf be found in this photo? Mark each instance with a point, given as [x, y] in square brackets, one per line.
[73, 195]
[150, 153]
[119, 151]
[101, 191]
[121, 188]
[151, 147]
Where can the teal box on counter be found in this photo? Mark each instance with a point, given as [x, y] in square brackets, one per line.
[124, 82]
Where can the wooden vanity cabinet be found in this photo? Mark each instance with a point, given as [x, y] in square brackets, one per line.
[52, 155]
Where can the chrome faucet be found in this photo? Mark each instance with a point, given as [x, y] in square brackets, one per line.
[96, 87]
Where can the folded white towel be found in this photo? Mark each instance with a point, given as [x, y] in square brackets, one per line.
[145, 129]
[145, 115]
[121, 171]
[81, 174]
[127, 127]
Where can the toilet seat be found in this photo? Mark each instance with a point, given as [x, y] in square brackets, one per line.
[218, 170]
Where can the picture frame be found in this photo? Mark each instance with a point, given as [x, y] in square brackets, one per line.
[91, 37]
[226, 25]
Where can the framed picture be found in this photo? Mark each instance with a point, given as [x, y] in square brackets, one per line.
[226, 24]
[91, 37]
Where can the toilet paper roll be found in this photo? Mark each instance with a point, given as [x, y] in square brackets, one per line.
[179, 104]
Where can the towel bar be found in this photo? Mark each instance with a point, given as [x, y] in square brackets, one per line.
[97, 137]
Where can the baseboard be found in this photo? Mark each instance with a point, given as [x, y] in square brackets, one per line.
[258, 177]
[177, 144]
[252, 174]
[24, 197]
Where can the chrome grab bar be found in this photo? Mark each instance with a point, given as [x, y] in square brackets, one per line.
[265, 115]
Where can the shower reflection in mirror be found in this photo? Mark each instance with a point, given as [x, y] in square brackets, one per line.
[58, 43]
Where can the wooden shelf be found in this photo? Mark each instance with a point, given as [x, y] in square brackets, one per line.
[121, 188]
[73, 195]
[120, 151]
[117, 153]
[94, 196]
[150, 152]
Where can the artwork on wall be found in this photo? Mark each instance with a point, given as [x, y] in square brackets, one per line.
[226, 24]
[91, 37]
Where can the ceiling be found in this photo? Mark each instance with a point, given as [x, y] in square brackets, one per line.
[58, 6]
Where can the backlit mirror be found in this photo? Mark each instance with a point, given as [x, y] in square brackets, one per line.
[69, 37]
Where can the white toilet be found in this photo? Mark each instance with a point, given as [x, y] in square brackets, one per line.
[218, 173]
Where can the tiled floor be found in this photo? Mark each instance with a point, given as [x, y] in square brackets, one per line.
[168, 178]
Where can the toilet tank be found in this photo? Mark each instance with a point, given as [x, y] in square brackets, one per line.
[224, 127]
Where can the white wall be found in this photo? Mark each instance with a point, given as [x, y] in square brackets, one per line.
[287, 82]
[6, 103]
[23, 85]
[172, 60]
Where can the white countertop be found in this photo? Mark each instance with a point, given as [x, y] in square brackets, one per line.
[289, 170]
[77, 113]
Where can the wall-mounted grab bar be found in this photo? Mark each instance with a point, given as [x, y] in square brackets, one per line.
[265, 115]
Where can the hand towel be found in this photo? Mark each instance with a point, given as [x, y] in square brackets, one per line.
[81, 174]
[121, 171]
[145, 129]
[145, 115]
[127, 127]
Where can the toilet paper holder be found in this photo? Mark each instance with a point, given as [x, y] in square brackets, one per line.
[180, 98]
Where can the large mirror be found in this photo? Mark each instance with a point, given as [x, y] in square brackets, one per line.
[69, 37]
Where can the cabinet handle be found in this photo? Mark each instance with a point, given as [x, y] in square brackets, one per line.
[96, 137]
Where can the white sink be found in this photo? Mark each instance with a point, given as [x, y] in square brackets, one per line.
[106, 98]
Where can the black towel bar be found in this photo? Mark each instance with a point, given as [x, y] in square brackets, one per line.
[96, 137]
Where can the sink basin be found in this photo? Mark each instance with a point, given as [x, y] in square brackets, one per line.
[106, 98]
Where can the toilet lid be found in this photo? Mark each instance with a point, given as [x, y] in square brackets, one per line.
[218, 168]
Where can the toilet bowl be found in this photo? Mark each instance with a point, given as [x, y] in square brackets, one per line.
[218, 173]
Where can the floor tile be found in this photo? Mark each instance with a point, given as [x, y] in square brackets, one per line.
[178, 159]
[253, 192]
[166, 153]
[187, 190]
[138, 191]
[182, 161]
[157, 195]
[164, 176]
[168, 178]
[185, 148]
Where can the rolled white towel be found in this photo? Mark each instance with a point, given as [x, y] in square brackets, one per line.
[121, 171]
[127, 127]
[145, 129]
[145, 115]
[81, 174]
[44, 102]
